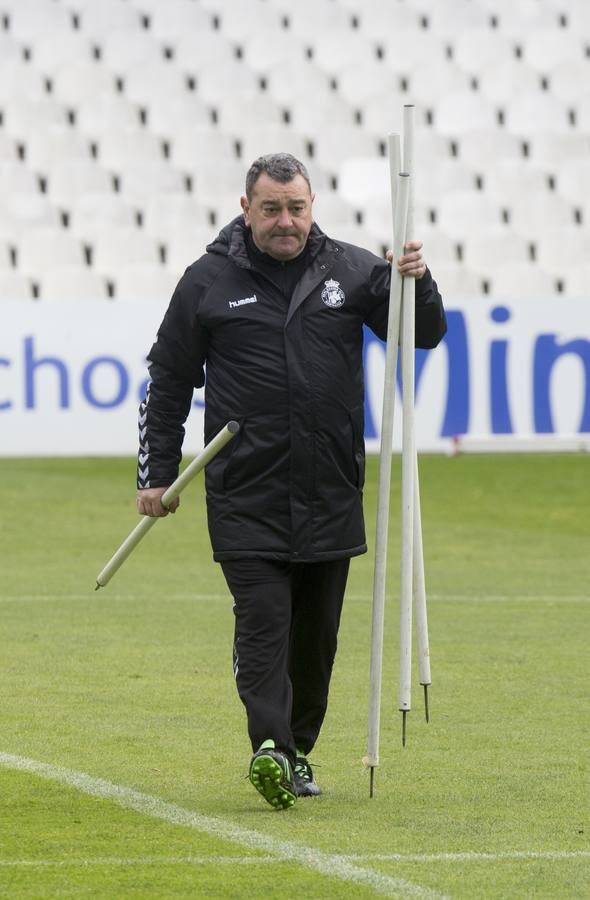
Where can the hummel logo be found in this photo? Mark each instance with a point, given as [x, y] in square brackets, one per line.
[234, 303]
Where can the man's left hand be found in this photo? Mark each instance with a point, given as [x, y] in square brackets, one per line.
[412, 263]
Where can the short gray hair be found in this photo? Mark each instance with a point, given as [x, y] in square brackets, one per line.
[280, 167]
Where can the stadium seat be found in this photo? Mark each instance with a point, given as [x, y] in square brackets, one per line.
[477, 48]
[486, 250]
[553, 150]
[247, 111]
[81, 81]
[211, 177]
[124, 148]
[100, 19]
[463, 111]
[8, 148]
[334, 145]
[457, 212]
[546, 48]
[517, 281]
[573, 181]
[198, 50]
[147, 178]
[10, 49]
[360, 179]
[566, 80]
[219, 79]
[36, 18]
[483, 147]
[376, 19]
[69, 178]
[499, 82]
[44, 148]
[577, 281]
[260, 140]
[511, 178]
[14, 286]
[407, 50]
[533, 214]
[306, 18]
[165, 214]
[261, 54]
[456, 280]
[43, 248]
[107, 113]
[432, 80]
[443, 18]
[48, 56]
[187, 245]
[22, 211]
[145, 282]
[18, 79]
[531, 111]
[449, 175]
[361, 81]
[225, 206]
[327, 112]
[118, 246]
[239, 21]
[171, 20]
[382, 114]
[5, 254]
[289, 79]
[21, 117]
[124, 49]
[93, 213]
[333, 51]
[353, 234]
[523, 17]
[72, 283]
[331, 207]
[583, 113]
[150, 80]
[199, 144]
[558, 250]
[167, 116]
[439, 248]
[16, 177]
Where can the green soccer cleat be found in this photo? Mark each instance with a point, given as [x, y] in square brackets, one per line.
[272, 776]
[305, 783]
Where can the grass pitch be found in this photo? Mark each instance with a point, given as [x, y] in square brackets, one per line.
[133, 686]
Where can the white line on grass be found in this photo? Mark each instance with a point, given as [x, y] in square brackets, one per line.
[468, 856]
[351, 598]
[333, 866]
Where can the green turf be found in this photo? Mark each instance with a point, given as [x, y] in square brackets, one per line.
[133, 684]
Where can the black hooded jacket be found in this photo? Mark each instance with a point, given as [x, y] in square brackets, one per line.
[288, 368]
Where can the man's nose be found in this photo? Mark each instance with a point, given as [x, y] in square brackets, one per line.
[285, 219]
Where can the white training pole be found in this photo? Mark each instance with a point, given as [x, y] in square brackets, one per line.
[408, 320]
[399, 190]
[141, 529]
[418, 550]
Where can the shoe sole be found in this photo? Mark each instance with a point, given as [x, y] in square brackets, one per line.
[267, 777]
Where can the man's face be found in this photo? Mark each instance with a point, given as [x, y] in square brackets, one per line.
[279, 215]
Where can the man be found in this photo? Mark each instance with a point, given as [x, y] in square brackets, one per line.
[275, 309]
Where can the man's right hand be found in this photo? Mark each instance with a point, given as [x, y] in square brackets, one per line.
[149, 502]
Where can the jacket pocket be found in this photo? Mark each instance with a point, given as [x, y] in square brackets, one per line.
[357, 422]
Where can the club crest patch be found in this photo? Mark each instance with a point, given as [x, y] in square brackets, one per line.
[333, 295]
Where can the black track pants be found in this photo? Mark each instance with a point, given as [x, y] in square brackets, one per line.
[287, 617]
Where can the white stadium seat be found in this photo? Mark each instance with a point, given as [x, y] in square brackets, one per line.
[444, 18]
[118, 246]
[145, 282]
[21, 117]
[261, 54]
[460, 212]
[69, 178]
[525, 16]
[36, 18]
[532, 111]
[304, 18]
[10, 49]
[361, 81]
[44, 248]
[239, 21]
[567, 78]
[534, 213]
[247, 110]
[107, 113]
[193, 145]
[218, 79]
[44, 148]
[175, 18]
[573, 181]
[18, 79]
[99, 19]
[483, 147]
[463, 111]
[22, 211]
[433, 80]
[577, 281]
[407, 50]
[8, 148]
[166, 116]
[333, 51]
[326, 113]
[186, 245]
[122, 149]
[5, 254]
[96, 212]
[196, 50]
[147, 178]
[72, 283]
[546, 48]
[448, 176]
[553, 150]
[558, 250]
[123, 49]
[259, 140]
[360, 179]
[331, 207]
[476, 48]
[289, 79]
[212, 177]
[456, 280]
[14, 286]
[488, 249]
[513, 178]
[518, 281]
[48, 56]
[333, 146]
[82, 81]
[499, 82]
[16, 178]
[154, 79]
[353, 234]
[164, 214]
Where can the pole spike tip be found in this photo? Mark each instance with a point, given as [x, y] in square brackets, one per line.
[98, 586]
[426, 709]
[371, 782]
[404, 714]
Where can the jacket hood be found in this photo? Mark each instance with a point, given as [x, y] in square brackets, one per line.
[231, 240]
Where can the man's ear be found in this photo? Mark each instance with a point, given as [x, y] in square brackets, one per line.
[246, 209]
